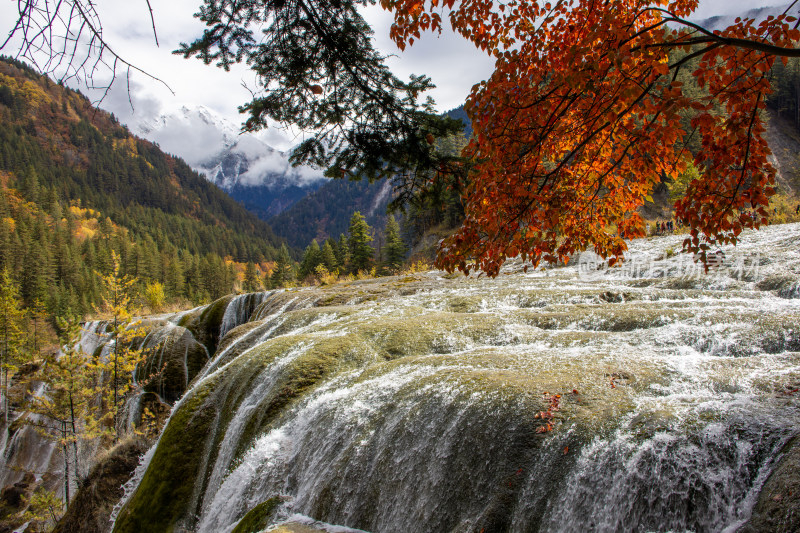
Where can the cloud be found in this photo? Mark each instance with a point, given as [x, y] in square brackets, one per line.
[453, 63]
[264, 166]
[190, 138]
[130, 107]
[711, 8]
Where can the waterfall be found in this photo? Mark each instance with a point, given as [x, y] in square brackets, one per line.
[646, 396]
[240, 309]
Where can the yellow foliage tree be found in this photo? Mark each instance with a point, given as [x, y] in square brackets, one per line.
[64, 408]
[154, 294]
[11, 332]
[122, 361]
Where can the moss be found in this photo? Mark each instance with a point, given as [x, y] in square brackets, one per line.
[236, 333]
[258, 517]
[776, 282]
[196, 357]
[498, 376]
[188, 318]
[205, 325]
[296, 527]
[281, 301]
[164, 495]
[339, 295]
[338, 298]
[301, 318]
[616, 318]
[682, 284]
[465, 304]
[172, 364]
[167, 496]
[430, 333]
[324, 357]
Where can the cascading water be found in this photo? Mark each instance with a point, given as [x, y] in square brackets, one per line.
[240, 309]
[649, 397]
[269, 320]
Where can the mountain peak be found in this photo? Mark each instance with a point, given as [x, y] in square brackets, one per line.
[215, 147]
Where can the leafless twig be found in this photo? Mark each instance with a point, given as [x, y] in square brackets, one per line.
[64, 39]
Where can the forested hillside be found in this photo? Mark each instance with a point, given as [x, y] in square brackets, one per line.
[326, 212]
[77, 185]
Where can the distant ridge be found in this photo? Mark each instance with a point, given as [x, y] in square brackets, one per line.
[720, 22]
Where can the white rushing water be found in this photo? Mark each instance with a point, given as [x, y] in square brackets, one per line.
[420, 403]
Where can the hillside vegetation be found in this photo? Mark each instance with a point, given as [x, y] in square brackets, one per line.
[76, 185]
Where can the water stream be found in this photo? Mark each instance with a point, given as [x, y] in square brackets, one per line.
[649, 397]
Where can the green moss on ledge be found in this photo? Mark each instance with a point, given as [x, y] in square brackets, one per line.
[165, 492]
[258, 517]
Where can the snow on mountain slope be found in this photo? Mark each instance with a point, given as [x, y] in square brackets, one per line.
[242, 164]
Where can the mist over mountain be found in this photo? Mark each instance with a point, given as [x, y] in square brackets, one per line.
[242, 164]
[720, 22]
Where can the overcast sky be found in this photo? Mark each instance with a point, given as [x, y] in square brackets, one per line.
[452, 63]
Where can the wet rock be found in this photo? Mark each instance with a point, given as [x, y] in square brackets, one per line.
[258, 518]
[173, 358]
[777, 282]
[149, 413]
[791, 290]
[612, 297]
[411, 405]
[778, 506]
[206, 323]
[13, 497]
[297, 527]
[91, 508]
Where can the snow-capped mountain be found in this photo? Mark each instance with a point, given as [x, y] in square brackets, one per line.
[242, 164]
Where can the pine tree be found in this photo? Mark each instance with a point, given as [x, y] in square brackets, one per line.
[329, 256]
[282, 274]
[29, 184]
[38, 315]
[173, 275]
[311, 258]
[37, 276]
[251, 281]
[395, 247]
[342, 252]
[358, 243]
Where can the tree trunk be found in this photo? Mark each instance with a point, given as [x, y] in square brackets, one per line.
[116, 347]
[66, 464]
[74, 435]
[5, 394]
[4, 368]
[3, 390]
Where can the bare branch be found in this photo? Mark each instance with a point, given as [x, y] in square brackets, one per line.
[64, 39]
[152, 21]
